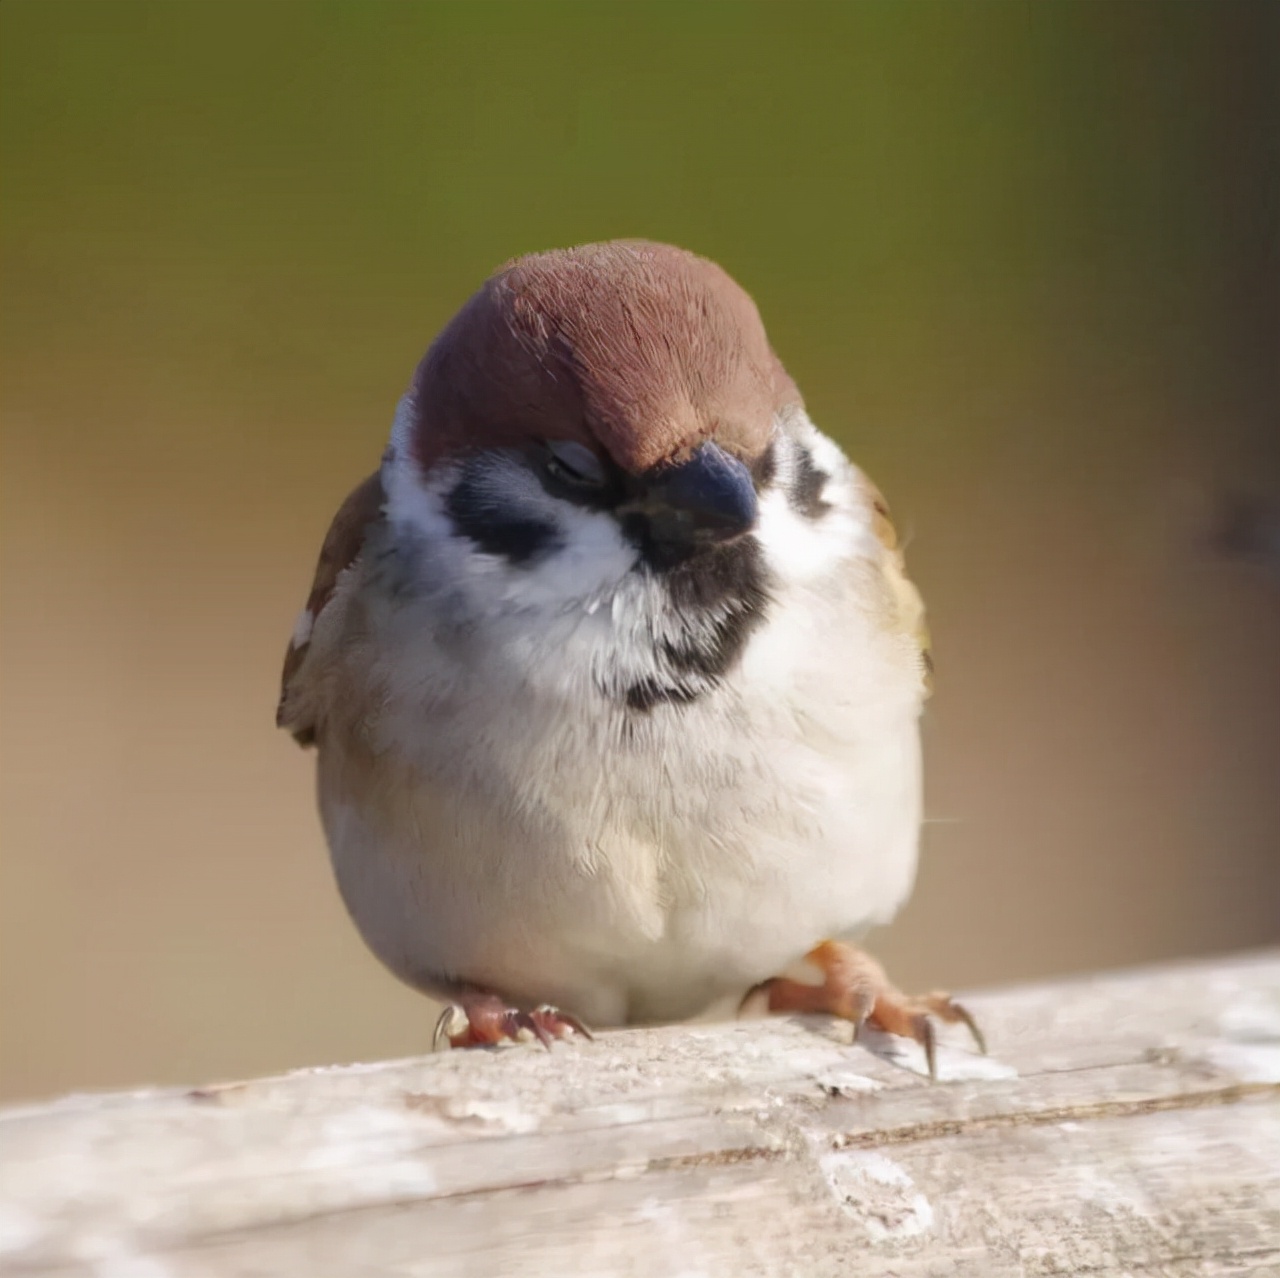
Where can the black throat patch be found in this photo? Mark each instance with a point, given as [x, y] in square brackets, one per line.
[721, 595]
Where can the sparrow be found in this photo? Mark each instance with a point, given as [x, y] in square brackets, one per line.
[614, 671]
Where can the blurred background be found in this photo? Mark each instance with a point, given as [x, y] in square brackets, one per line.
[1022, 258]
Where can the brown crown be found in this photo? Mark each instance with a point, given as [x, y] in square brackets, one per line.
[639, 349]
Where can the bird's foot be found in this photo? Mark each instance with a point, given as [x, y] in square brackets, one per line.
[477, 1019]
[854, 987]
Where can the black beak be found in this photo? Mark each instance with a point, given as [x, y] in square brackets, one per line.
[709, 498]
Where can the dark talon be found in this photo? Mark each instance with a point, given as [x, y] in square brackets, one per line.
[927, 1037]
[553, 1022]
[442, 1024]
[573, 1023]
[530, 1021]
[967, 1020]
[946, 1008]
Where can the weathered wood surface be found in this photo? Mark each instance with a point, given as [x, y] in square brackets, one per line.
[1125, 1124]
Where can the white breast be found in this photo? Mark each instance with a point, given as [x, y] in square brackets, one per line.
[499, 821]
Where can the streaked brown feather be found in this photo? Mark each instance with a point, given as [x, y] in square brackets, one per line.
[342, 545]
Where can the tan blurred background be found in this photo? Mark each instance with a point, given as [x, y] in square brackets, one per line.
[1022, 259]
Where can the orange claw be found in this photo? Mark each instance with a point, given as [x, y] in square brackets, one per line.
[855, 988]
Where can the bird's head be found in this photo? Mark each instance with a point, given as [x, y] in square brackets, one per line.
[629, 382]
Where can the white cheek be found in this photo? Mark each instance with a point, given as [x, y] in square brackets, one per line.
[799, 549]
[826, 452]
[414, 503]
[592, 559]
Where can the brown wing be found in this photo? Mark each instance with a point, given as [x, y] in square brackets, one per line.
[342, 546]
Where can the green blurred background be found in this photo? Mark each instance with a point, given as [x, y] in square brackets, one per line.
[1022, 258]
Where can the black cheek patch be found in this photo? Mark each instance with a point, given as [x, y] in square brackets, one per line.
[496, 528]
[807, 486]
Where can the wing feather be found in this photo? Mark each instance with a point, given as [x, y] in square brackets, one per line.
[341, 549]
[910, 607]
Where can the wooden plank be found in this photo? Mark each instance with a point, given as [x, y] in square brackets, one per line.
[1127, 1123]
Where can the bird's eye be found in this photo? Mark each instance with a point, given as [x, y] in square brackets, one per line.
[574, 464]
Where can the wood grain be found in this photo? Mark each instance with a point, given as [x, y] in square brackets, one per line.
[1125, 1124]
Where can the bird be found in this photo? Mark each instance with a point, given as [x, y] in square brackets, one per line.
[614, 672]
